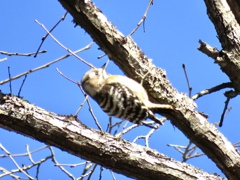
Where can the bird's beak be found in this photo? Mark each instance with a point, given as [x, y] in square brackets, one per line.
[104, 66]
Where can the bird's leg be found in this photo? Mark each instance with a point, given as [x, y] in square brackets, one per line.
[149, 124]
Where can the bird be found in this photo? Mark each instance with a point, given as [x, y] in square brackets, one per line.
[120, 96]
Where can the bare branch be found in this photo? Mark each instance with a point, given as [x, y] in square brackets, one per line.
[26, 154]
[10, 82]
[21, 54]
[43, 39]
[188, 83]
[143, 18]
[70, 135]
[13, 160]
[81, 105]
[94, 117]
[124, 131]
[66, 76]
[68, 50]
[224, 111]
[229, 95]
[20, 89]
[6, 172]
[3, 59]
[29, 154]
[73, 165]
[227, 28]
[187, 151]
[147, 136]
[61, 167]
[45, 65]
[213, 89]
[90, 107]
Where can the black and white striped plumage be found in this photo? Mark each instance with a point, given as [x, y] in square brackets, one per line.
[120, 96]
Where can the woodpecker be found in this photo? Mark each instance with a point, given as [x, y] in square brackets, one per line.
[120, 96]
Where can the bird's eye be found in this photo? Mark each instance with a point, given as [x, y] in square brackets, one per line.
[96, 73]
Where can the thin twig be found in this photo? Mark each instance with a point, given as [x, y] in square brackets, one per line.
[112, 173]
[63, 75]
[79, 85]
[81, 105]
[188, 83]
[26, 154]
[147, 136]
[109, 125]
[90, 173]
[237, 144]
[112, 125]
[29, 154]
[3, 59]
[90, 108]
[43, 39]
[13, 160]
[21, 54]
[124, 131]
[10, 173]
[224, 111]
[121, 133]
[73, 165]
[25, 167]
[213, 89]
[99, 57]
[101, 172]
[187, 152]
[94, 117]
[72, 53]
[10, 82]
[45, 65]
[86, 169]
[20, 89]
[142, 19]
[62, 168]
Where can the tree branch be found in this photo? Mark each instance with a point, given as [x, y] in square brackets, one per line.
[228, 31]
[68, 134]
[134, 63]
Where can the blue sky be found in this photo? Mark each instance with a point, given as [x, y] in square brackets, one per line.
[173, 29]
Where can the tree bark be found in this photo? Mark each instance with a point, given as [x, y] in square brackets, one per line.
[69, 134]
[134, 63]
[225, 16]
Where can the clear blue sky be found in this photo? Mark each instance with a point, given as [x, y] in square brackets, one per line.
[172, 32]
